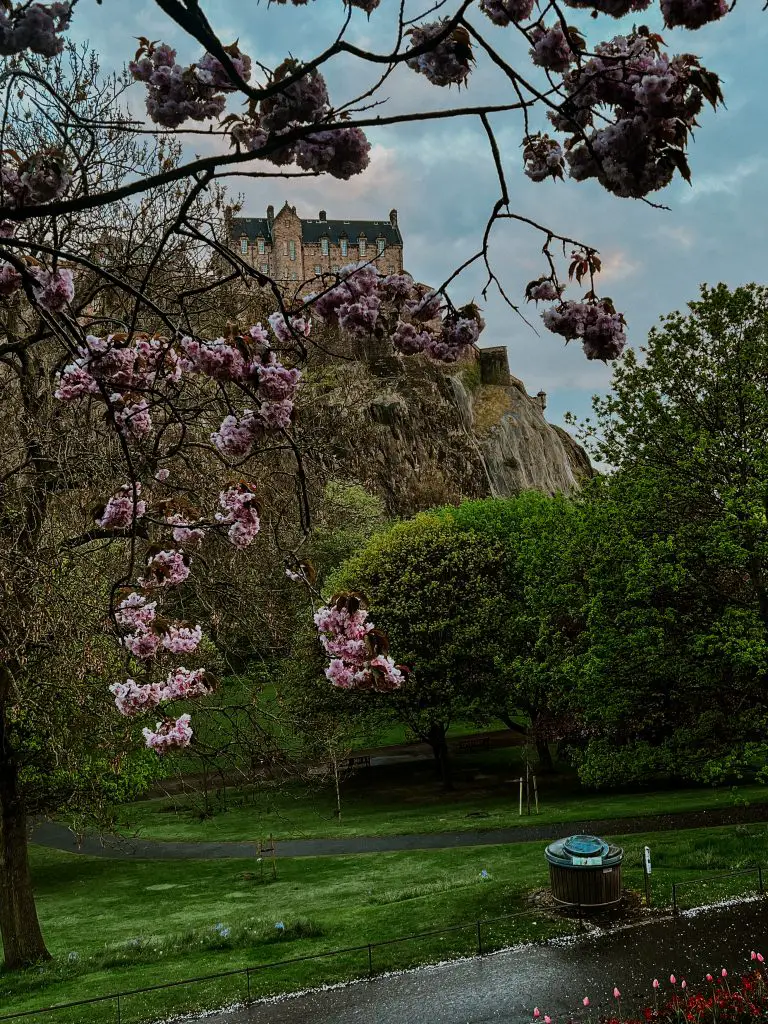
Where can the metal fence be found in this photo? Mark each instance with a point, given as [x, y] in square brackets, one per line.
[478, 930]
[706, 879]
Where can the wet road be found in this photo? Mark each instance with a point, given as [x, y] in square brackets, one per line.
[506, 986]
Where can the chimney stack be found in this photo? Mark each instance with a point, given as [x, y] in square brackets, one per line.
[322, 215]
[270, 215]
[393, 218]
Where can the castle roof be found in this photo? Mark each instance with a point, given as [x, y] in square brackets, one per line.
[312, 231]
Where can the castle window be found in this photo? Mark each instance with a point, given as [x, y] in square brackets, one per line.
[265, 268]
[343, 247]
[318, 271]
[324, 248]
[261, 247]
[244, 246]
[294, 276]
[380, 245]
[292, 248]
[361, 245]
[335, 268]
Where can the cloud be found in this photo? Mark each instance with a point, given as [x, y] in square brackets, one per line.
[728, 182]
[617, 265]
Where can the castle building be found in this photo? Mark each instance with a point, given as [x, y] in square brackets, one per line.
[294, 251]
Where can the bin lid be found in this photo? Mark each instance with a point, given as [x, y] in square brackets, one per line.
[583, 852]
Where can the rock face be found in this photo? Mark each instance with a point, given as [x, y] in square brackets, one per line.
[421, 436]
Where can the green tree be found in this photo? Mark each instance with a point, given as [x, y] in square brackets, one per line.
[537, 633]
[678, 617]
[434, 591]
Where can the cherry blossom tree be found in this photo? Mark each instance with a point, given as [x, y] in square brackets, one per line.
[112, 255]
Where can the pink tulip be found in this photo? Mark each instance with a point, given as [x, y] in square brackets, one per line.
[684, 984]
[655, 982]
[760, 958]
[753, 955]
[672, 979]
[724, 973]
[616, 994]
[536, 1012]
[585, 1000]
[710, 978]
[547, 1020]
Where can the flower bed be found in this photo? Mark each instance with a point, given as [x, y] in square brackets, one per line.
[721, 999]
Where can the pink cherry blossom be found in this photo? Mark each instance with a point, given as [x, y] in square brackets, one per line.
[241, 511]
[166, 569]
[122, 510]
[182, 639]
[53, 289]
[168, 734]
[36, 27]
[447, 62]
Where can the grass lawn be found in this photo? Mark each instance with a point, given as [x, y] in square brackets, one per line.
[392, 807]
[118, 925]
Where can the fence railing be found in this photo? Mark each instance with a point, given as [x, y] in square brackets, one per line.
[478, 928]
[118, 999]
[688, 882]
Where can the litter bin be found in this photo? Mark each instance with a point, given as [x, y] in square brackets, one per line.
[585, 871]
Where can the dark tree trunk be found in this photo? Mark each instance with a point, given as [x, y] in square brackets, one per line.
[439, 746]
[544, 754]
[20, 930]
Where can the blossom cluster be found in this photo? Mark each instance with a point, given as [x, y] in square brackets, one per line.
[553, 49]
[693, 13]
[36, 27]
[151, 634]
[168, 734]
[52, 289]
[365, 5]
[357, 650]
[362, 301]
[248, 360]
[123, 508]
[40, 178]
[543, 157]
[241, 514]
[655, 100]
[133, 698]
[598, 325]
[124, 368]
[449, 59]
[176, 94]
[504, 12]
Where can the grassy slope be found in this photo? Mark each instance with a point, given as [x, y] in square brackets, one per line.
[406, 810]
[87, 904]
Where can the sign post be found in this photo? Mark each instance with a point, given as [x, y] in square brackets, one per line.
[647, 874]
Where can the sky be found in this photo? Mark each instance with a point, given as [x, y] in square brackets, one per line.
[440, 177]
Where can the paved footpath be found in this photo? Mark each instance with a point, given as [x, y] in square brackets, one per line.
[59, 837]
[506, 986]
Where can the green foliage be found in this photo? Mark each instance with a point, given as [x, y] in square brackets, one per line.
[678, 613]
[432, 590]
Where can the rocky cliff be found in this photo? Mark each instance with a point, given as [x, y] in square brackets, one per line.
[421, 435]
